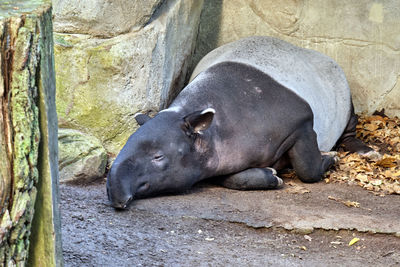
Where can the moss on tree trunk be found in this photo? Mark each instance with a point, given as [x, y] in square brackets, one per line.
[28, 130]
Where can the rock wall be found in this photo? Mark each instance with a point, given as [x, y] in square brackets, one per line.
[362, 36]
[116, 58]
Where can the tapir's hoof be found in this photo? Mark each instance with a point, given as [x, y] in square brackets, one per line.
[336, 159]
[278, 179]
[330, 153]
[333, 155]
[280, 182]
[372, 155]
[273, 170]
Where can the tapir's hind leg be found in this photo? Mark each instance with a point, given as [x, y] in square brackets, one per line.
[349, 141]
[308, 162]
[251, 179]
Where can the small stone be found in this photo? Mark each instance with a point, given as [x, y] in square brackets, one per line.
[307, 237]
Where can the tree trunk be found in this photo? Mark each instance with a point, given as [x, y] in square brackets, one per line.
[28, 136]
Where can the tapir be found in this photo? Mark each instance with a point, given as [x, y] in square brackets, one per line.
[251, 107]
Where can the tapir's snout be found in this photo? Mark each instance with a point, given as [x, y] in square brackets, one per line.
[119, 196]
[121, 202]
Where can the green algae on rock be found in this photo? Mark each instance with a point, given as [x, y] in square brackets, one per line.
[82, 158]
[103, 82]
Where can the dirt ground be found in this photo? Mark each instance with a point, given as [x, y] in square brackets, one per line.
[299, 225]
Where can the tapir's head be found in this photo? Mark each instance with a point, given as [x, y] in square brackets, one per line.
[166, 154]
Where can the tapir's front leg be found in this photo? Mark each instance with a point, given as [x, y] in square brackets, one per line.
[308, 162]
[251, 179]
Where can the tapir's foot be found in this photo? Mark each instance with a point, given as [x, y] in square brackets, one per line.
[330, 154]
[252, 179]
[355, 145]
[306, 158]
[328, 160]
[372, 155]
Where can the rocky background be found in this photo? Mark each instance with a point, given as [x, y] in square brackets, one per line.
[362, 36]
[115, 58]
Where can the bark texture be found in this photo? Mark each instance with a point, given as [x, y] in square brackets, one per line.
[27, 80]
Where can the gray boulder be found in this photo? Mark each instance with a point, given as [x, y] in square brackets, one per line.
[102, 82]
[102, 18]
[82, 158]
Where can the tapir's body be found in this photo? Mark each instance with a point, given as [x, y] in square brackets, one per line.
[314, 77]
[243, 133]
[251, 106]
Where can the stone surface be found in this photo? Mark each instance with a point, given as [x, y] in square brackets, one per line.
[361, 36]
[102, 83]
[29, 218]
[105, 18]
[302, 213]
[82, 158]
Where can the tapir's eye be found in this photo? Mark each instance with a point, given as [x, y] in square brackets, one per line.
[158, 157]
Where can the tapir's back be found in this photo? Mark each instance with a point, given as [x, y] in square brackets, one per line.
[311, 75]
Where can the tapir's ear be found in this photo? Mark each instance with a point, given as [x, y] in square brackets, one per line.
[141, 118]
[199, 120]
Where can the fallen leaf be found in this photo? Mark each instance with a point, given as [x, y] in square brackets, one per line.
[349, 203]
[387, 162]
[377, 174]
[376, 182]
[353, 241]
[295, 188]
[396, 188]
[371, 127]
[376, 118]
[362, 177]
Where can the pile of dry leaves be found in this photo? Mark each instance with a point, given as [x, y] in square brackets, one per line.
[377, 175]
